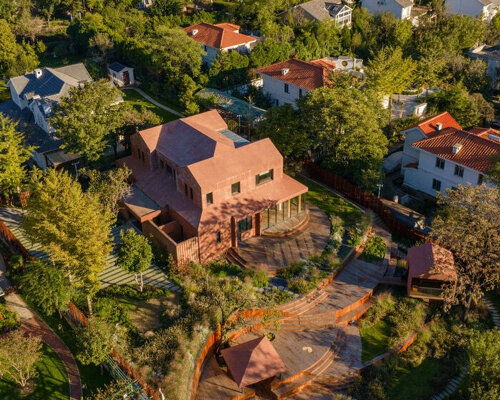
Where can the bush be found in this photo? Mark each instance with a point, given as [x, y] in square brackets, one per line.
[260, 278]
[149, 292]
[275, 297]
[224, 269]
[112, 311]
[375, 249]
[295, 269]
[16, 263]
[9, 320]
[383, 305]
[300, 285]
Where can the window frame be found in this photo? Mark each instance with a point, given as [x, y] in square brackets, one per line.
[218, 237]
[260, 179]
[436, 184]
[286, 88]
[440, 163]
[459, 171]
[238, 188]
[209, 198]
[480, 179]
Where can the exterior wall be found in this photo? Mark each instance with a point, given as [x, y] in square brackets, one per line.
[15, 97]
[211, 52]
[39, 159]
[344, 18]
[276, 88]
[421, 178]
[381, 6]
[118, 76]
[410, 153]
[468, 7]
[40, 118]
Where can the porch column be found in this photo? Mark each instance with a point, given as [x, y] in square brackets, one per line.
[257, 224]
[234, 241]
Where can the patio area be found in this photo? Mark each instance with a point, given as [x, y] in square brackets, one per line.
[275, 253]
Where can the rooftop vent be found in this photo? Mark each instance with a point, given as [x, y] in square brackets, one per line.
[439, 126]
[494, 137]
[194, 32]
[38, 73]
[285, 71]
[456, 148]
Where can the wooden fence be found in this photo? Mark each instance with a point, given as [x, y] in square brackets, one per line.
[364, 198]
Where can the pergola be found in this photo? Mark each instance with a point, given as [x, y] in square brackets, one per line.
[252, 362]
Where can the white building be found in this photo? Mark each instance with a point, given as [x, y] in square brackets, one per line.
[320, 10]
[475, 8]
[288, 81]
[220, 37]
[121, 74]
[400, 8]
[491, 56]
[449, 157]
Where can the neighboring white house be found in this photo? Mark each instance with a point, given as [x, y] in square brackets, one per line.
[475, 8]
[143, 4]
[491, 56]
[320, 10]
[121, 74]
[400, 8]
[42, 89]
[220, 37]
[289, 80]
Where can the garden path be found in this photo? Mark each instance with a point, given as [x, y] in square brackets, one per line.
[153, 101]
[112, 273]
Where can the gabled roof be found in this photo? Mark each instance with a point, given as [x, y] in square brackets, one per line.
[429, 125]
[475, 152]
[53, 83]
[117, 67]
[308, 75]
[486, 133]
[219, 36]
[404, 3]
[227, 25]
[253, 361]
[322, 9]
[430, 261]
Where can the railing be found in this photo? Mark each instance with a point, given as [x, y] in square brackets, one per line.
[363, 198]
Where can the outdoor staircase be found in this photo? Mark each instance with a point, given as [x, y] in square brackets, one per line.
[234, 257]
[305, 303]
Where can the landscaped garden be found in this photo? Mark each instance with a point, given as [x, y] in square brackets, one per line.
[135, 99]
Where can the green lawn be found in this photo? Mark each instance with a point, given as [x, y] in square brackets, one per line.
[417, 383]
[4, 91]
[375, 340]
[137, 101]
[169, 102]
[51, 382]
[331, 203]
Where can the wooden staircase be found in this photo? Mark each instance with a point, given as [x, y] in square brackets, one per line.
[233, 256]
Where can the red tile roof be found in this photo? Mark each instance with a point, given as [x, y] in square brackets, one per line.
[487, 133]
[476, 152]
[430, 261]
[219, 36]
[227, 25]
[429, 125]
[308, 75]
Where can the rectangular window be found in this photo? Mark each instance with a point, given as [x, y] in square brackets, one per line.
[480, 179]
[436, 185]
[169, 170]
[235, 188]
[459, 171]
[186, 190]
[300, 93]
[439, 163]
[287, 89]
[245, 224]
[264, 177]
[217, 237]
[210, 198]
[191, 193]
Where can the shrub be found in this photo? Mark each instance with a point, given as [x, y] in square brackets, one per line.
[375, 249]
[407, 317]
[300, 285]
[260, 278]
[9, 320]
[224, 269]
[149, 292]
[275, 297]
[383, 305]
[295, 269]
[334, 263]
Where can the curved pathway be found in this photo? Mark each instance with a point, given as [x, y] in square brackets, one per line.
[153, 101]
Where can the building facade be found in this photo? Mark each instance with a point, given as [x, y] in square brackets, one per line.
[199, 189]
[121, 74]
[400, 8]
[220, 37]
[321, 10]
[486, 9]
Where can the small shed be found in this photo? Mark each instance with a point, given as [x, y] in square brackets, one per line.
[121, 74]
[430, 267]
[253, 361]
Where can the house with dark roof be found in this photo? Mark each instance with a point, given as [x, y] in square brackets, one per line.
[449, 156]
[121, 74]
[321, 10]
[400, 8]
[220, 37]
[199, 189]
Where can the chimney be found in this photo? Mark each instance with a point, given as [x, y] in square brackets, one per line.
[285, 71]
[38, 73]
[439, 126]
[456, 148]
[194, 32]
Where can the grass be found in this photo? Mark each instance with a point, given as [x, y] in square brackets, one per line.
[375, 340]
[416, 383]
[4, 91]
[169, 102]
[331, 203]
[137, 101]
[51, 382]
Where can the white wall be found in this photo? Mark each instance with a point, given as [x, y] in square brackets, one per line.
[467, 7]
[212, 51]
[15, 97]
[276, 88]
[118, 76]
[410, 153]
[381, 6]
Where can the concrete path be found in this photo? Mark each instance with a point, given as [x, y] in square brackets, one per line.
[153, 101]
[452, 386]
[493, 311]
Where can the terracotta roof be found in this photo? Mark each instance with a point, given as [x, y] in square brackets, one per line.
[430, 261]
[227, 25]
[487, 133]
[475, 152]
[218, 36]
[429, 125]
[308, 75]
[253, 361]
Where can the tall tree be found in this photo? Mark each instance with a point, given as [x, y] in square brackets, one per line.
[88, 116]
[13, 156]
[467, 225]
[18, 355]
[71, 226]
[134, 254]
[47, 286]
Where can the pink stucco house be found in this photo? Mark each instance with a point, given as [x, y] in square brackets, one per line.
[199, 188]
